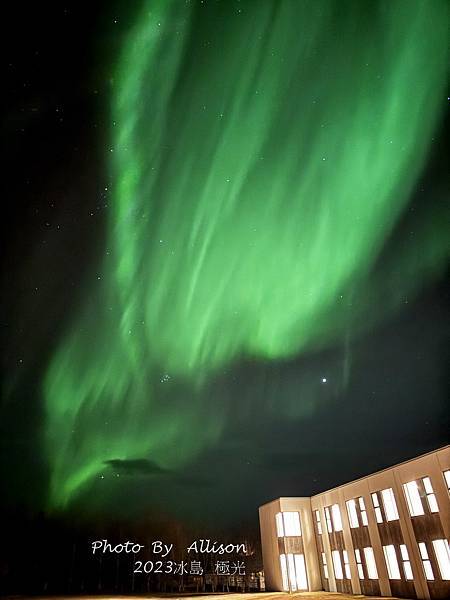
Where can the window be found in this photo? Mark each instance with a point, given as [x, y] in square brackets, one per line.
[390, 506]
[359, 564]
[352, 514]
[362, 508]
[376, 505]
[431, 498]
[336, 514]
[325, 566]
[284, 572]
[337, 564]
[288, 523]
[447, 479]
[318, 523]
[406, 563]
[413, 498]
[391, 562]
[328, 520]
[293, 572]
[280, 528]
[346, 564]
[442, 552]
[370, 563]
[426, 561]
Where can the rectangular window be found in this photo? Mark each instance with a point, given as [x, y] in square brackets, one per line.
[413, 498]
[284, 574]
[447, 479]
[390, 506]
[362, 508]
[279, 521]
[336, 514]
[426, 561]
[291, 522]
[406, 563]
[346, 564]
[352, 514]
[359, 564]
[391, 562]
[328, 520]
[370, 563]
[291, 573]
[376, 505]
[325, 566]
[442, 552]
[300, 570]
[337, 564]
[431, 498]
[318, 523]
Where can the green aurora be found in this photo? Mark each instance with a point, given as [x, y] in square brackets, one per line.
[261, 155]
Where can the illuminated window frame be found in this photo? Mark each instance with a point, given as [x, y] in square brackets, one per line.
[371, 565]
[328, 519]
[413, 499]
[406, 563]
[390, 557]
[352, 514]
[288, 524]
[429, 492]
[428, 569]
[362, 509]
[390, 505]
[359, 565]
[337, 564]
[442, 551]
[336, 517]
[318, 522]
[324, 564]
[447, 479]
[346, 565]
[377, 507]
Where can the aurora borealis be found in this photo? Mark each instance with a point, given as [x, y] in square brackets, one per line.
[261, 154]
[225, 232]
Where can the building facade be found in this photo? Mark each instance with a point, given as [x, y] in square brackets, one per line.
[382, 535]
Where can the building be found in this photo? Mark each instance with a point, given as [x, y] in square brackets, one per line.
[382, 535]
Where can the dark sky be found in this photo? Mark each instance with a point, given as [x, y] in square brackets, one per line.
[368, 398]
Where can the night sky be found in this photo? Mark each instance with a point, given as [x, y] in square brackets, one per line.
[225, 252]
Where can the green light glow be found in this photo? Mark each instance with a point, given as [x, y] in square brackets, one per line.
[261, 154]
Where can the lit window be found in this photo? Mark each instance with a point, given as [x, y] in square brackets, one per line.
[391, 562]
[336, 514]
[284, 572]
[426, 561]
[325, 566]
[300, 571]
[346, 564]
[370, 563]
[280, 528]
[293, 572]
[447, 479]
[442, 552]
[390, 506]
[376, 505]
[319, 524]
[413, 498]
[328, 520]
[406, 563]
[359, 564]
[352, 514]
[431, 498]
[288, 523]
[337, 564]
[362, 508]
[292, 523]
